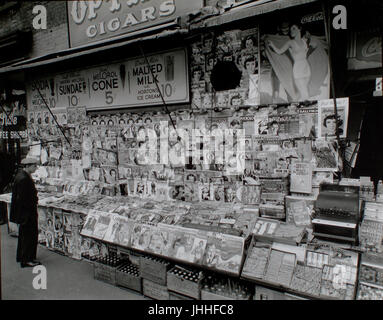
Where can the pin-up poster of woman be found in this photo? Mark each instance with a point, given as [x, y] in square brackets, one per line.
[295, 65]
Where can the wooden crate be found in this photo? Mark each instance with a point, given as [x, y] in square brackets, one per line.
[127, 280]
[177, 296]
[184, 286]
[154, 269]
[133, 256]
[104, 273]
[154, 290]
[207, 295]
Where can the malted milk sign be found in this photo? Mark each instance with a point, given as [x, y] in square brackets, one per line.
[129, 83]
[91, 21]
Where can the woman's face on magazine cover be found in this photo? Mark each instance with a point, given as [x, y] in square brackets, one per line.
[250, 66]
[331, 126]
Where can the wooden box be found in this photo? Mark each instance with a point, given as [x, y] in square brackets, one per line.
[154, 269]
[177, 296]
[128, 280]
[154, 290]
[104, 273]
[183, 285]
[207, 295]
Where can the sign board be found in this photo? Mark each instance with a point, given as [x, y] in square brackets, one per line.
[365, 50]
[125, 84]
[91, 21]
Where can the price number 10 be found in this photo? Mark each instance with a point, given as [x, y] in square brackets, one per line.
[166, 90]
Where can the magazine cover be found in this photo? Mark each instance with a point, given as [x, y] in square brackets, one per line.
[58, 220]
[76, 243]
[162, 191]
[308, 121]
[218, 192]
[177, 192]
[256, 262]
[50, 242]
[191, 191]
[283, 124]
[301, 177]
[233, 192]
[110, 174]
[102, 225]
[118, 231]
[198, 249]
[140, 236]
[295, 65]
[299, 210]
[67, 220]
[325, 155]
[328, 122]
[204, 192]
[158, 240]
[42, 225]
[183, 245]
[261, 120]
[251, 194]
[90, 224]
[224, 252]
[68, 239]
[139, 187]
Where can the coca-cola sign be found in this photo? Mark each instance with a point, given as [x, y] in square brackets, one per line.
[365, 50]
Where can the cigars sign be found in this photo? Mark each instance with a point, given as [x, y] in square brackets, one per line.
[130, 83]
[91, 21]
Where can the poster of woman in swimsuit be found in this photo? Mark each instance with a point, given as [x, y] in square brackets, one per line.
[294, 54]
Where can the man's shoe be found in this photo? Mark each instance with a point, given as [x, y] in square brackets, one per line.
[37, 262]
[29, 264]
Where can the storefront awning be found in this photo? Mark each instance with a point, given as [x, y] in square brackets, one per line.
[86, 50]
[252, 9]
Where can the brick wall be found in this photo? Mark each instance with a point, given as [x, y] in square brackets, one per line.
[54, 38]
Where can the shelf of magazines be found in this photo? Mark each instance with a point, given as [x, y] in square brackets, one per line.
[198, 248]
[313, 271]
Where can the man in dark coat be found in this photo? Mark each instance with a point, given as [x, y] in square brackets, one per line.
[24, 213]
